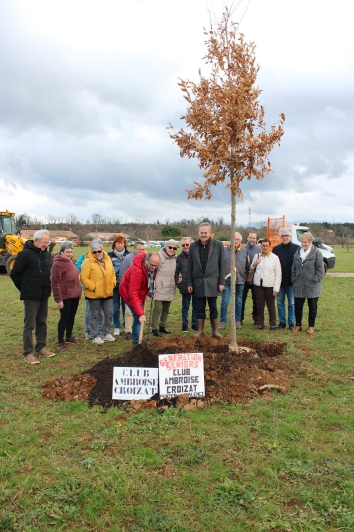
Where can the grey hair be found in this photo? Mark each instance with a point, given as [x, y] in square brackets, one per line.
[186, 238]
[96, 243]
[138, 243]
[238, 234]
[38, 234]
[205, 223]
[284, 230]
[171, 242]
[66, 245]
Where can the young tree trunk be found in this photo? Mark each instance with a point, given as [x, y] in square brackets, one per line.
[233, 341]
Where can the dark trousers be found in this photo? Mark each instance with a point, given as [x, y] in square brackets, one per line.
[36, 313]
[299, 305]
[186, 300]
[264, 295]
[201, 304]
[67, 318]
[254, 301]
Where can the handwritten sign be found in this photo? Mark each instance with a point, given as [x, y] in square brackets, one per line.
[181, 373]
[135, 383]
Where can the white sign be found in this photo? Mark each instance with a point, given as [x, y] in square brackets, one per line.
[135, 383]
[181, 373]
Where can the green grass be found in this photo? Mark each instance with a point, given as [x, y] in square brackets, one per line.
[344, 259]
[280, 464]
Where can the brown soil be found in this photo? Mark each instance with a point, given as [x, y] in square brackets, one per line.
[229, 377]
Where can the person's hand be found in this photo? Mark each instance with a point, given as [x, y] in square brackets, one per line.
[142, 318]
[190, 289]
[60, 305]
[257, 261]
[179, 280]
[221, 287]
[275, 294]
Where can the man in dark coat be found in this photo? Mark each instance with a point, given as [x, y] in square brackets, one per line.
[206, 277]
[31, 276]
[182, 285]
[286, 251]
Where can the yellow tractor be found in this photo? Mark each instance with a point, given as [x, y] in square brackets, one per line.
[11, 242]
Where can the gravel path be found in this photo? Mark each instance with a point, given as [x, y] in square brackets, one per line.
[339, 274]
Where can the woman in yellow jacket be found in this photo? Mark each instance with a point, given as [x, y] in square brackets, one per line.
[99, 279]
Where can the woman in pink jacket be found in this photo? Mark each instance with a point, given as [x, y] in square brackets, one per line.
[67, 292]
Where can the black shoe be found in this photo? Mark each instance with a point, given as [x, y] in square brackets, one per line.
[281, 325]
[261, 327]
[128, 336]
[156, 333]
[164, 330]
[291, 327]
[274, 328]
[184, 328]
[195, 327]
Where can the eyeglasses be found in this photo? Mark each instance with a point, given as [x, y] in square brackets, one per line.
[98, 251]
[284, 236]
[153, 265]
[185, 245]
[171, 247]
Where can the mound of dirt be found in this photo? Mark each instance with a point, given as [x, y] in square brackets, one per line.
[229, 377]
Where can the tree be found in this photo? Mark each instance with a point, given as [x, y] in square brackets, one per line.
[171, 231]
[226, 126]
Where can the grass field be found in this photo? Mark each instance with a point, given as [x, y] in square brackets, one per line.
[281, 463]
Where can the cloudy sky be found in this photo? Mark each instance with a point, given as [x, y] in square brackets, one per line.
[88, 87]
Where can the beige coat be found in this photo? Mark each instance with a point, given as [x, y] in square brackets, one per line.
[97, 279]
[165, 286]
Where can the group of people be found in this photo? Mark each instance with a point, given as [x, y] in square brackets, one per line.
[288, 271]
[118, 284]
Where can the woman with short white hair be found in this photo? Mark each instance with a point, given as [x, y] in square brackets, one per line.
[307, 273]
[165, 287]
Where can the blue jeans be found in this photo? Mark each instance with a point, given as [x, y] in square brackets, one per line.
[225, 298]
[186, 299]
[136, 325]
[288, 291]
[117, 303]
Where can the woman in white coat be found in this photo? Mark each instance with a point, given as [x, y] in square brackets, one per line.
[266, 281]
[165, 287]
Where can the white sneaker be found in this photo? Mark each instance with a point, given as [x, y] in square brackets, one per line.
[98, 340]
[109, 338]
[116, 332]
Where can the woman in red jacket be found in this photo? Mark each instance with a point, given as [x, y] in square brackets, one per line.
[67, 292]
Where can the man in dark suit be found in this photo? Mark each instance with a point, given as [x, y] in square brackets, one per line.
[206, 277]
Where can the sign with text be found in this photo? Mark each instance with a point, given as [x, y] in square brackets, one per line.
[181, 373]
[135, 383]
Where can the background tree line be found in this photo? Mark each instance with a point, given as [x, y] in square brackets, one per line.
[330, 233]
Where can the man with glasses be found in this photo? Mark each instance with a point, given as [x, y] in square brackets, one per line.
[139, 247]
[251, 250]
[240, 261]
[137, 283]
[181, 282]
[206, 277]
[285, 252]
